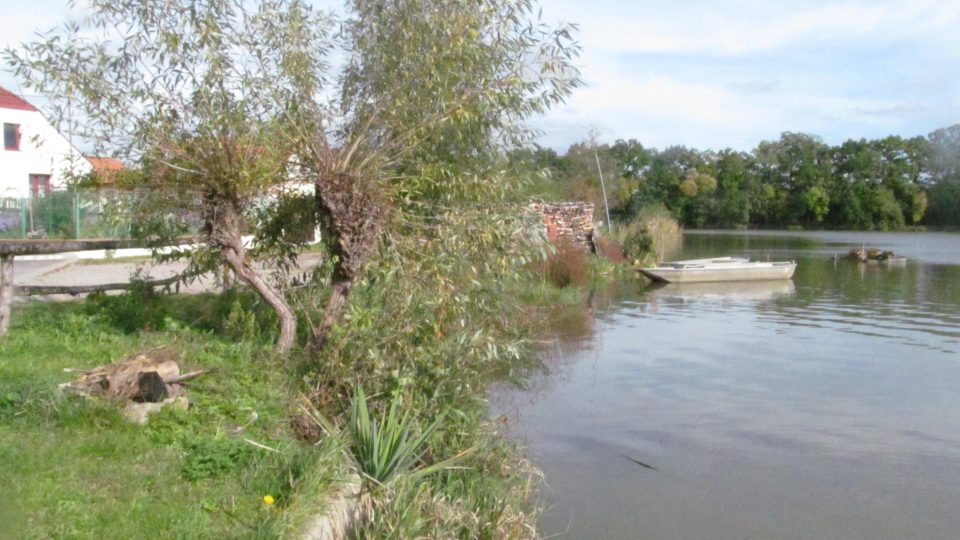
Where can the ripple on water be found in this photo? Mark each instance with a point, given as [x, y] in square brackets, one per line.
[826, 408]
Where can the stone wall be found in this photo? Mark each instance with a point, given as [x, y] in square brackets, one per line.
[571, 220]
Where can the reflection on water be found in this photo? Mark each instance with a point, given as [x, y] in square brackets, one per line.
[720, 292]
[825, 407]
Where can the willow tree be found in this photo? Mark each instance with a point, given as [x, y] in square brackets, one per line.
[224, 101]
[174, 88]
[431, 94]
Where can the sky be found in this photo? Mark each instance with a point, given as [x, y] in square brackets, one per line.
[712, 74]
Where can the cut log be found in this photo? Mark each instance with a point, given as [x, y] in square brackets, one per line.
[147, 377]
[150, 388]
[185, 376]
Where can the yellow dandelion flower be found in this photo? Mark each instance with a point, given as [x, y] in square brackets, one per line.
[268, 500]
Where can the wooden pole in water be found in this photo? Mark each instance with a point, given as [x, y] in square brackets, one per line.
[603, 188]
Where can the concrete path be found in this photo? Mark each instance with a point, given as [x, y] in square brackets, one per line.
[26, 271]
[72, 272]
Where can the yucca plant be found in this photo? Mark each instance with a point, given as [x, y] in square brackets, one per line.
[383, 449]
[389, 447]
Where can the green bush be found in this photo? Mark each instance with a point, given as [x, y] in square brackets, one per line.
[139, 308]
[650, 236]
[636, 242]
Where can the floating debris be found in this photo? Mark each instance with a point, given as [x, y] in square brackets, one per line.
[865, 254]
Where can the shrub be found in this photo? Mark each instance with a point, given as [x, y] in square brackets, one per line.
[567, 265]
[609, 248]
[650, 236]
[241, 324]
[140, 308]
[637, 243]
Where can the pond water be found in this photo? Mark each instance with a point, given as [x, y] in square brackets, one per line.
[823, 408]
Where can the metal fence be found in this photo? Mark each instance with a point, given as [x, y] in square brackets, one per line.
[69, 214]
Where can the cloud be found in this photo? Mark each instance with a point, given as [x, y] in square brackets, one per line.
[713, 74]
[739, 28]
[733, 73]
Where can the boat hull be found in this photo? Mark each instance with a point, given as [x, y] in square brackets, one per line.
[722, 272]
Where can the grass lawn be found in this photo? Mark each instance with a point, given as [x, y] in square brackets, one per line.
[73, 468]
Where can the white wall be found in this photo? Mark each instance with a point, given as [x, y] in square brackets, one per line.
[43, 150]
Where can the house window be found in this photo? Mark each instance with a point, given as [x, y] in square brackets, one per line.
[11, 136]
[40, 185]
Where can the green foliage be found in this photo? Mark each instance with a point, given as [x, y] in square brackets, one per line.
[637, 243]
[945, 203]
[817, 203]
[213, 457]
[796, 181]
[650, 236]
[137, 309]
[54, 213]
[447, 85]
[486, 496]
[887, 214]
[241, 324]
[436, 313]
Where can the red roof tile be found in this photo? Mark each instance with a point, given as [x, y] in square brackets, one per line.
[9, 100]
[104, 164]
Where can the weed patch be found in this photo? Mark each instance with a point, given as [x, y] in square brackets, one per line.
[213, 457]
[567, 265]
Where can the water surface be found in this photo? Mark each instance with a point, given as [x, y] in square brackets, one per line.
[823, 408]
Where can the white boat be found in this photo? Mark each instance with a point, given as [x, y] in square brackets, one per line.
[719, 269]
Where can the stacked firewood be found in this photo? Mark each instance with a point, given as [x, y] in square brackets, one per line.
[571, 220]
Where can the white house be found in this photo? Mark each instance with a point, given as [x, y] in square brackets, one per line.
[35, 158]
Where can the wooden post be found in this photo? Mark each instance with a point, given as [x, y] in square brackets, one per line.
[76, 214]
[6, 291]
[23, 218]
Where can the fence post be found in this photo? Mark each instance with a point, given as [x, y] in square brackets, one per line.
[76, 214]
[23, 218]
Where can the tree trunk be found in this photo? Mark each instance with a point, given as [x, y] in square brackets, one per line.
[6, 291]
[288, 321]
[224, 225]
[331, 313]
[352, 215]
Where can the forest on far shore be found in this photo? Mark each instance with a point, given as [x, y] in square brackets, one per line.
[797, 181]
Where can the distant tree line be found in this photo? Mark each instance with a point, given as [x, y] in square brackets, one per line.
[796, 181]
